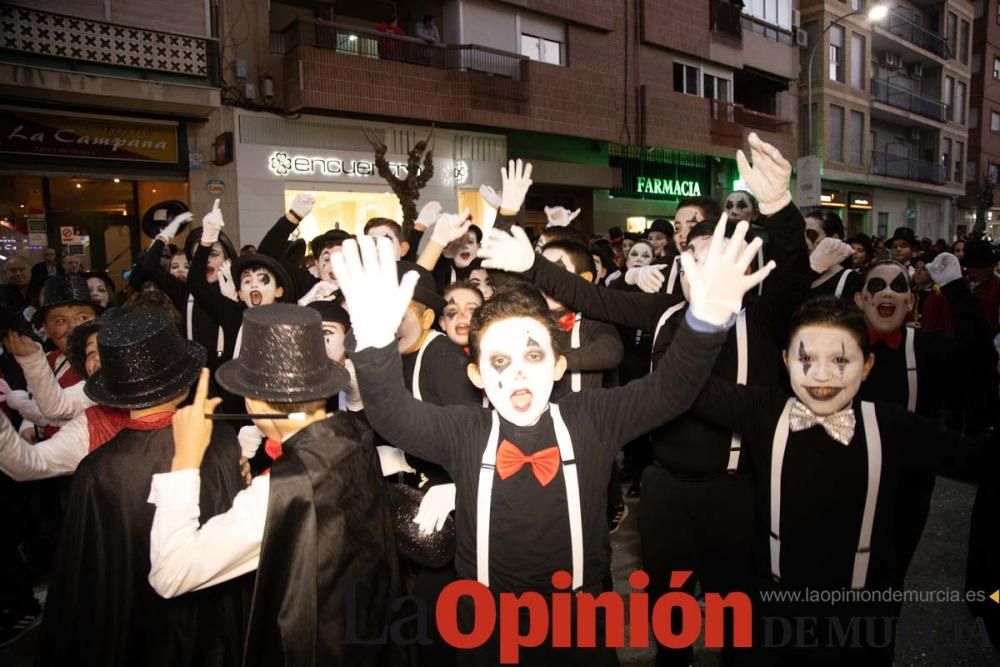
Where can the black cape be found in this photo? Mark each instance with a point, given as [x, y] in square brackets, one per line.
[101, 609]
[328, 559]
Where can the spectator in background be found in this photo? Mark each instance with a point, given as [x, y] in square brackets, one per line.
[864, 253]
[248, 249]
[958, 249]
[661, 236]
[391, 26]
[427, 30]
[45, 269]
[979, 262]
[16, 294]
[903, 247]
[71, 264]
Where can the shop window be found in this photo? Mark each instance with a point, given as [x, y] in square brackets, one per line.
[21, 213]
[345, 210]
[84, 195]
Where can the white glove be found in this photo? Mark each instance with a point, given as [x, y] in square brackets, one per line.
[438, 503]
[717, 286]
[559, 216]
[321, 291]
[226, 284]
[507, 252]
[212, 224]
[353, 393]
[429, 214]
[769, 176]
[450, 227]
[648, 278]
[17, 399]
[490, 196]
[828, 253]
[392, 460]
[249, 438]
[5, 391]
[945, 269]
[515, 179]
[302, 204]
[378, 300]
[174, 226]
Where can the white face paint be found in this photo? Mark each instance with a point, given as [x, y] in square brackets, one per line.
[179, 266]
[481, 279]
[465, 249]
[378, 232]
[641, 254]
[461, 304]
[518, 367]
[98, 292]
[559, 258]
[258, 287]
[886, 298]
[684, 221]
[215, 258]
[739, 207]
[814, 232]
[325, 264]
[826, 367]
[333, 337]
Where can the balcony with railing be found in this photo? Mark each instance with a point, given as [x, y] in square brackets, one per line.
[46, 39]
[910, 169]
[897, 96]
[726, 19]
[904, 27]
[729, 119]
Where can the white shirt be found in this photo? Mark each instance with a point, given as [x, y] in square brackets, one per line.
[59, 455]
[56, 404]
[184, 557]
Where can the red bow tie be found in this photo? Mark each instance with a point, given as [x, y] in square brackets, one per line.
[891, 339]
[273, 449]
[566, 321]
[544, 464]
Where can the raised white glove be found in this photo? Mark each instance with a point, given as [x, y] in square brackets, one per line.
[515, 179]
[828, 253]
[648, 278]
[321, 291]
[353, 393]
[717, 285]
[507, 252]
[377, 299]
[559, 216]
[17, 399]
[249, 438]
[438, 503]
[490, 196]
[226, 284]
[170, 230]
[212, 224]
[450, 227]
[945, 269]
[429, 214]
[302, 204]
[392, 460]
[769, 176]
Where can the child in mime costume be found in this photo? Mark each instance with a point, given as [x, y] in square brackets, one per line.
[531, 476]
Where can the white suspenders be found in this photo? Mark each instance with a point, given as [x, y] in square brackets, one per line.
[239, 342]
[760, 265]
[873, 445]
[484, 498]
[911, 371]
[575, 378]
[667, 314]
[415, 384]
[220, 343]
[672, 278]
[841, 283]
[742, 352]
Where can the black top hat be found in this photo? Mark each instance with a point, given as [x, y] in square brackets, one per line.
[144, 361]
[426, 290]
[251, 259]
[283, 359]
[331, 237]
[615, 234]
[331, 311]
[194, 238]
[978, 254]
[661, 226]
[66, 290]
[159, 216]
[904, 234]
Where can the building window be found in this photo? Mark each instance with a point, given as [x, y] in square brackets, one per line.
[856, 134]
[775, 12]
[883, 224]
[973, 118]
[835, 151]
[963, 43]
[858, 62]
[837, 53]
[996, 65]
[946, 158]
[949, 98]
[541, 49]
[993, 173]
[716, 88]
[959, 161]
[994, 121]
[960, 102]
[951, 33]
[686, 79]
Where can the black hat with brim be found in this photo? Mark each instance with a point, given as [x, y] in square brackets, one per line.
[978, 254]
[65, 290]
[194, 238]
[159, 216]
[906, 235]
[425, 291]
[332, 311]
[250, 260]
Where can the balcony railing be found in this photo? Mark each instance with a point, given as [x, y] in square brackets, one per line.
[898, 166]
[767, 30]
[725, 19]
[730, 119]
[51, 36]
[906, 28]
[901, 98]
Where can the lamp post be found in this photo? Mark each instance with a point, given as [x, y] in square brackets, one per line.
[876, 13]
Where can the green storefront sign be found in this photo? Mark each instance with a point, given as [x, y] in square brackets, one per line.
[669, 187]
[659, 174]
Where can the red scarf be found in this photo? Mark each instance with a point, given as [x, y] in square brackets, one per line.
[105, 423]
[892, 339]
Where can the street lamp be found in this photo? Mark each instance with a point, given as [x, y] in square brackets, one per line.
[875, 13]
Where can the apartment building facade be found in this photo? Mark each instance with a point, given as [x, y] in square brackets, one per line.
[983, 170]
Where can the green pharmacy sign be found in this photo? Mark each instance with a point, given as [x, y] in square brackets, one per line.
[667, 187]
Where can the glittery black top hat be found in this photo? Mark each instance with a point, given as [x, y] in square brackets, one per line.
[906, 235]
[194, 238]
[65, 290]
[283, 358]
[144, 361]
[159, 216]
[426, 290]
[252, 259]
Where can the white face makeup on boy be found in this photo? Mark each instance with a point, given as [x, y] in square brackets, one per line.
[461, 304]
[481, 279]
[258, 287]
[325, 266]
[825, 367]
[334, 334]
[517, 368]
[378, 232]
[886, 298]
[640, 254]
[465, 249]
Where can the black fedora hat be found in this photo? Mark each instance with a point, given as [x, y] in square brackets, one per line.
[283, 358]
[159, 216]
[194, 238]
[66, 290]
[906, 235]
[252, 259]
[426, 290]
[144, 361]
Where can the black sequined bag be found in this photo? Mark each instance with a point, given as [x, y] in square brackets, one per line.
[433, 550]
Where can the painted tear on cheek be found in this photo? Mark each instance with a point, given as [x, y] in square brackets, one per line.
[804, 359]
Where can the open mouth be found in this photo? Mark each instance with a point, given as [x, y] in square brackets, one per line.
[521, 399]
[465, 255]
[885, 310]
[462, 329]
[256, 298]
[210, 273]
[823, 393]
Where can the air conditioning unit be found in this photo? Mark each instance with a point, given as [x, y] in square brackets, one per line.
[892, 59]
[914, 134]
[796, 18]
[801, 37]
[916, 70]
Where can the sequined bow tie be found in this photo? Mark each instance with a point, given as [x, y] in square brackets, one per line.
[839, 425]
[544, 464]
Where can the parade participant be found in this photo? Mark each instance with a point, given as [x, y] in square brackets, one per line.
[741, 205]
[836, 280]
[516, 360]
[661, 235]
[864, 253]
[480, 279]
[66, 304]
[100, 609]
[461, 300]
[902, 247]
[377, 227]
[101, 287]
[979, 263]
[316, 528]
